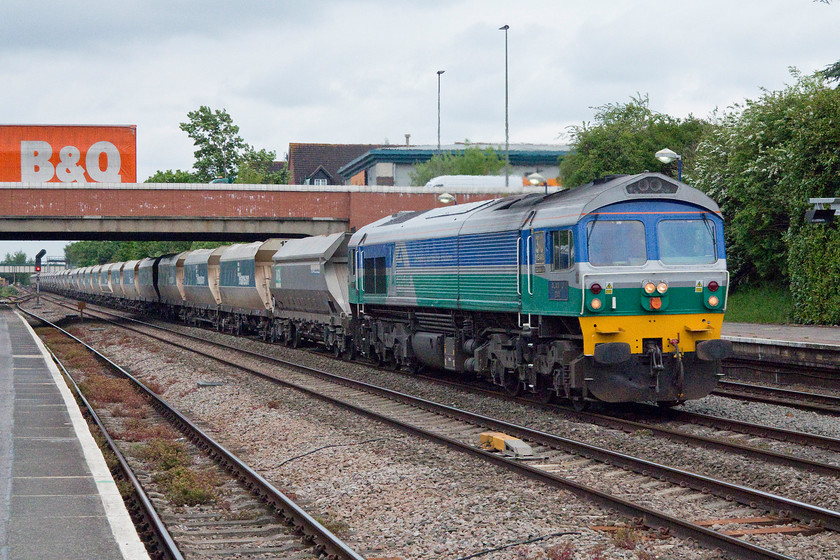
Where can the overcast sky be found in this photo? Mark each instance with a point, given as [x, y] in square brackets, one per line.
[365, 71]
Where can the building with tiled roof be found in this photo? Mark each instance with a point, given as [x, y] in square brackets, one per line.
[318, 164]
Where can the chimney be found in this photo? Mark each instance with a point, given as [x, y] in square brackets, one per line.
[407, 136]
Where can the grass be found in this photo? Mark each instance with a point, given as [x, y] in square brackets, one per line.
[760, 304]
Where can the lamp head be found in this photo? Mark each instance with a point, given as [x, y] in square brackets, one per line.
[446, 198]
[667, 156]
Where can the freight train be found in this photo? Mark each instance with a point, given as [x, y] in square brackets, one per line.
[613, 291]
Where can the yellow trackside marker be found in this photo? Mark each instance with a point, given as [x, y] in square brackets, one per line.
[699, 287]
[608, 289]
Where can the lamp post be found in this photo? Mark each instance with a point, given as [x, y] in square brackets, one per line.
[507, 122]
[667, 156]
[439, 72]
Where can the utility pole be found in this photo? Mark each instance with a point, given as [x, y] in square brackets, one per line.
[507, 122]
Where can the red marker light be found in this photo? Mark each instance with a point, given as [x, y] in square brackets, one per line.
[713, 286]
[595, 289]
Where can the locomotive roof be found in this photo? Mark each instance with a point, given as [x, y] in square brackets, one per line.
[509, 213]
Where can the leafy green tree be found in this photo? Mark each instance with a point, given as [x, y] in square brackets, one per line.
[219, 146]
[18, 258]
[470, 161]
[624, 139]
[762, 161]
[257, 168]
[176, 176]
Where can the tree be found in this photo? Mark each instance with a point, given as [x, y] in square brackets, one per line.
[470, 161]
[257, 167]
[16, 259]
[170, 176]
[761, 162]
[220, 147]
[625, 138]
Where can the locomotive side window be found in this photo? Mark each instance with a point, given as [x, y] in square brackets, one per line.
[616, 243]
[686, 242]
[375, 278]
[562, 250]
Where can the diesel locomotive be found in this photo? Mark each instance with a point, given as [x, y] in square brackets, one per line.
[613, 291]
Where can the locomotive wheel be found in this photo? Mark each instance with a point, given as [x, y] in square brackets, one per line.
[394, 358]
[544, 393]
[512, 385]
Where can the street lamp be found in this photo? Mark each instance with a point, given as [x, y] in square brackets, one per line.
[667, 156]
[536, 179]
[439, 72]
[507, 122]
[446, 198]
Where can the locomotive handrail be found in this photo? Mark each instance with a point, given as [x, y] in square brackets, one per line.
[518, 265]
[360, 259]
[528, 245]
[635, 272]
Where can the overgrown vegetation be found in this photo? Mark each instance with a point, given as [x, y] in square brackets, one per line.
[760, 161]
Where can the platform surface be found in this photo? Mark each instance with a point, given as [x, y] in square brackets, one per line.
[793, 335]
[57, 497]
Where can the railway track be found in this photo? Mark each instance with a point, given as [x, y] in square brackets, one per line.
[249, 519]
[575, 460]
[817, 402]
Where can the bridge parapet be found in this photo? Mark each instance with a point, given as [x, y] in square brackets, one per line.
[193, 211]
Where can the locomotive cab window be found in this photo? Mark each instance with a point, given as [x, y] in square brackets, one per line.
[562, 250]
[686, 242]
[616, 243]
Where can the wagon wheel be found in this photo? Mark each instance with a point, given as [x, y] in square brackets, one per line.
[336, 349]
[512, 385]
[297, 339]
[579, 404]
[350, 352]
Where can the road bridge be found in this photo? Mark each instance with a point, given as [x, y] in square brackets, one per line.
[208, 212]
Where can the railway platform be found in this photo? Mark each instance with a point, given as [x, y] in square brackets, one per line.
[57, 497]
[792, 335]
[786, 354]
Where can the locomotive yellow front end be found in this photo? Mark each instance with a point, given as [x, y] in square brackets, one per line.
[653, 293]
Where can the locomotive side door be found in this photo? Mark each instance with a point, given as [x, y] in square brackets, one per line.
[548, 277]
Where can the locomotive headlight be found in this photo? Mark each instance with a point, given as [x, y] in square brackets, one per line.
[595, 304]
[655, 304]
[713, 301]
[649, 287]
[662, 287]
